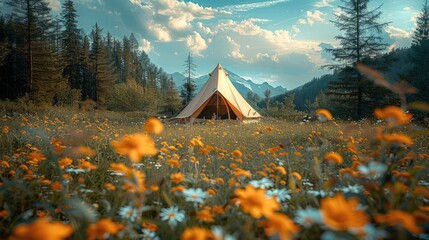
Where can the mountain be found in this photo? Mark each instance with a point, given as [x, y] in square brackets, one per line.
[243, 86]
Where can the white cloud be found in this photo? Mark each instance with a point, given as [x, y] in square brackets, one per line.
[160, 32]
[146, 45]
[312, 17]
[407, 8]
[275, 44]
[203, 28]
[324, 3]
[196, 43]
[250, 6]
[397, 32]
[55, 5]
[295, 29]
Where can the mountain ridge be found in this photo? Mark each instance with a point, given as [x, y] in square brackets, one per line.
[243, 86]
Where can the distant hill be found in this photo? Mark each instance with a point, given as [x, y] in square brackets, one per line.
[308, 92]
[243, 86]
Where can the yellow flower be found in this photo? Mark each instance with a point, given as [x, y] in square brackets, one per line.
[101, 228]
[398, 217]
[56, 186]
[255, 202]
[323, 114]
[196, 233]
[135, 146]
[341, 214]
[41, 229]
[334, 157]
[153, 125]
[281, 224]
[205, 216]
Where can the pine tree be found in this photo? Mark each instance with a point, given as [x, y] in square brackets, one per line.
[71, 46]
[189, 87]
[171, 99]
[103, 76]
[422, 30]
[34, 22]
[267, 94]
[360, 42]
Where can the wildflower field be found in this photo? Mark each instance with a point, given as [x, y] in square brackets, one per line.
[95, 175]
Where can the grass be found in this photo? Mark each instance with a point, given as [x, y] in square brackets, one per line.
[235, 166]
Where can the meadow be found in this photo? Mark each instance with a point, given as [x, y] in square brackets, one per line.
[73, 174]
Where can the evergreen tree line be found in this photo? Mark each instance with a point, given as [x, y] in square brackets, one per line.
[349, 94]
[51, 61]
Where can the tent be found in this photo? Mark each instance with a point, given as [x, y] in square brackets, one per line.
[219, 99]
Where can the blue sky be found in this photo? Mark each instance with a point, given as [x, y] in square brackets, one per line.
[277, 41]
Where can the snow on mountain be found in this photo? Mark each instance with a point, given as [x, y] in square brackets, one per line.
[244, 86]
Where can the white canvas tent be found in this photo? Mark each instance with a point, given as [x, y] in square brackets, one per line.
[219, 99]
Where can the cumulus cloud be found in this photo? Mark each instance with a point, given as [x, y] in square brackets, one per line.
[146, 45]
[166, 20]
[312, 17]
[407, 8]
[250, 6]
[55, 5]
[196, 43]
[397, 32]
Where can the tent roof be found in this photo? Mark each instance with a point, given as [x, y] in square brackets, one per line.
[219, 82]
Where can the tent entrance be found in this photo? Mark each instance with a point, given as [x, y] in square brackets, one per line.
[217, 107]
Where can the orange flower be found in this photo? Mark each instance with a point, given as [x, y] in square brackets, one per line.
[393, 113]
[196, 233]
[238, 172]
[341, 214]
[4, 214]
[179, 188]
[196, 141]
[135, 146]
[149, 226]
[120, 168]
[109, 186]
[83, 164]
[205, 216]
[56, 186]
[64, 162]
[255, 202]
[323, 114]
[177, 177]
[153, 125]
[280, 169]
[281, 224]
[41, 229]
[237, 153]
[174, 162]
[334, 157]
[297, 176]
[101, 228]
[398, 138]
[398, 217]
[83, 150]
[35, 158]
